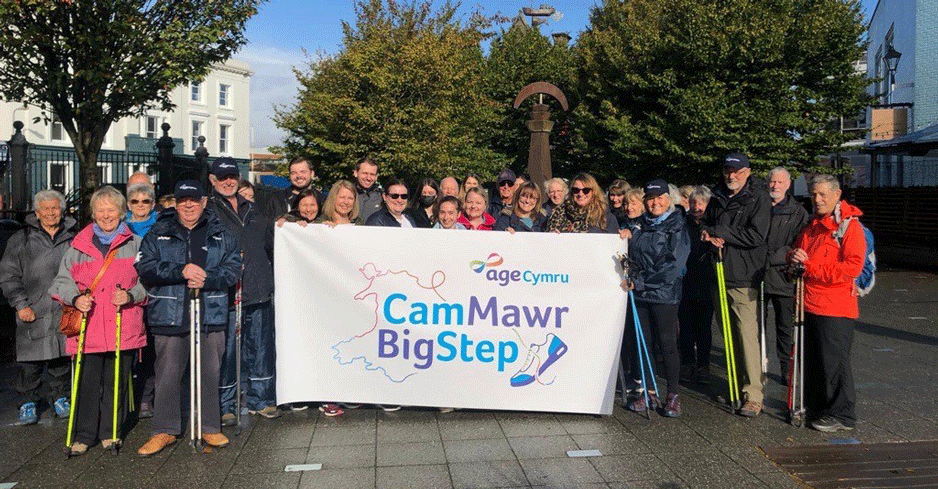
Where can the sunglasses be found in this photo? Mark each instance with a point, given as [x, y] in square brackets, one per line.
[144, 201]
[506, 183]
[581, 190]
[399, 196]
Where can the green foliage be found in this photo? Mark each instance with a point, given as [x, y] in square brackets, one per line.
[670, 86]
[92, 62]
[407, 87]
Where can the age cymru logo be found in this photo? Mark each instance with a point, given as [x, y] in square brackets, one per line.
[507, 276]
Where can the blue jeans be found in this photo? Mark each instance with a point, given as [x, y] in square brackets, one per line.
[258, 359]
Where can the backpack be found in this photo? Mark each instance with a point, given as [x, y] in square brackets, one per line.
[867, 279]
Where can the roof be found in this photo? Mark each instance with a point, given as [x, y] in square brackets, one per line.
[915, 142]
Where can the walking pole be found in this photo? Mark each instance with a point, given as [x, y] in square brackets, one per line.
[195, 379]
[731, 380]
[796, 370]
[644, 360]
[76, 379]
[765, 358]
[238, 359]
[115, 441]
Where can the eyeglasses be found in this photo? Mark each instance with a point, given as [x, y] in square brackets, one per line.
[506, 183]
[399, 196]
[144, 201]
[581, 190]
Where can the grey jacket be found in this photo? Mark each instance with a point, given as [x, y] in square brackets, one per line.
[369, 201]
[28, 267]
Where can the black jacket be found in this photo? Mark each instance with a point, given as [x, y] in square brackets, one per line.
[508, 219]
[743, 221]
[657, 256]
[420, 217]
[383, 218]
[255, 234]
[788, 218]
[701, 278]
[163, 254]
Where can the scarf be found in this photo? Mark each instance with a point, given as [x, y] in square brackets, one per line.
[568, 218]
[108, 238]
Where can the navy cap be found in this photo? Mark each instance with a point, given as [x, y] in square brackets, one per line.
[506, 175]
[736, 161]
[224, 167]
[655, 188]
[188, 188]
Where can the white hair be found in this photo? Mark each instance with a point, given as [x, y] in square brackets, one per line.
[828, 179]
[44, 195]
[779, 169]
[141, 188]
[700, 194]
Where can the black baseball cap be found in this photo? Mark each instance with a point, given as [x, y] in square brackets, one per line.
[736, 161]
[224, 167]
[506, 175]
[655, 188]
[188, 188]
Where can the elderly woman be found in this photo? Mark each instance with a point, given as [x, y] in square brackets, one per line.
[658, 253]
[141, 200]
[102, 255]
[696, 310]
[585, 210]
[473, 215]
[27, 269]
[556, 190]
[525, 213]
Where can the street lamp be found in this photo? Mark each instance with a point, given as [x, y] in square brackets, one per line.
[892, 63]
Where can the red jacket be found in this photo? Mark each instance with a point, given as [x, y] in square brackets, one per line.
[488, 222]
[832, 268]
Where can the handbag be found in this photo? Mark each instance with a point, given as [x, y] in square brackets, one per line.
[70, 324]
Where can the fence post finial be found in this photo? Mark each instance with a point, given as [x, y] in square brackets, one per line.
[19, 148]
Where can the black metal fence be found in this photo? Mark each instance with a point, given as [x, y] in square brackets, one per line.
[905, 171]
[26, 169]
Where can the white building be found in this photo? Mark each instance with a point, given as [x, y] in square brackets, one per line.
[219, 108]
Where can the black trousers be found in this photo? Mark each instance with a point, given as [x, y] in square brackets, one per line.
[829, 388]
[44, 380]
[144, 372]
[94, 411]
[659, 325]
[784, 308]
[696, 337]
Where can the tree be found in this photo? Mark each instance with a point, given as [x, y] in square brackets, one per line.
[92, 62]
[670, 86]
[517, 57]
[407, 87]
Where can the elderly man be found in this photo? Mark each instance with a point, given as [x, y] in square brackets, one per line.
[788, 218]
[831, 251]
[187, 251]
[30, 263]
[737, 221]
[449, 186]
[369, 190]
[301, 177]
[256, 237]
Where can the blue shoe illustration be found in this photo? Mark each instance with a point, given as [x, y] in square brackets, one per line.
[556, 348]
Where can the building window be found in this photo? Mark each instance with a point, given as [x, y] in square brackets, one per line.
[153, 124]
[196, 89]
[196, 132]
[60, 176]
[224, 95]
[58, 132]
[224, 132]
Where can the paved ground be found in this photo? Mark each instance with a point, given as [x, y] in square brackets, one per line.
[895, 362]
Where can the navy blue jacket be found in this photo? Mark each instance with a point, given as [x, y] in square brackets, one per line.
[255, 233]
[162, 256]
[658, 255]
[508, 219]
[743, 221]
[383, 218]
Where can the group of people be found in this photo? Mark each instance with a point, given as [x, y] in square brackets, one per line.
[138, 267]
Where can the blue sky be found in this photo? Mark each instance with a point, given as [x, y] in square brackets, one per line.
[283, 29]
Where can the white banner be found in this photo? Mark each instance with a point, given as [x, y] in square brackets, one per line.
[464, 319]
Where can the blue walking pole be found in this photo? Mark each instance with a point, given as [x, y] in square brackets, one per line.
[644, 360]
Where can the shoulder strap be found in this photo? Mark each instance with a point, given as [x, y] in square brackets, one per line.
[107, 263]
[842, 230]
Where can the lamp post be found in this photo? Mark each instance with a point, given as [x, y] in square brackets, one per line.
[892, 62]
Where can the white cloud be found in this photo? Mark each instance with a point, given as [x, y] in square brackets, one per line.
[273, 84]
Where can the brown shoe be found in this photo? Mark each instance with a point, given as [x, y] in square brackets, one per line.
[156, 444]
[750, 409]
[216, 440]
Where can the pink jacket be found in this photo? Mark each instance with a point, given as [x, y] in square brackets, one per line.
[77, 271]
